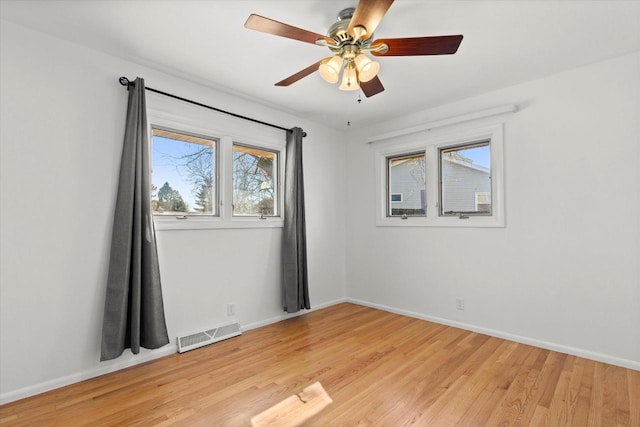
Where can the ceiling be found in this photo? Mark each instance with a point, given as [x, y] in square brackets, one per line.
[505, 43]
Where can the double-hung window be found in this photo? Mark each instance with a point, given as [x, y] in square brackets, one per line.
[450, 180]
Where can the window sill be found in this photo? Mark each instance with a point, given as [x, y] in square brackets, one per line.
[213, 223]
[471, 221]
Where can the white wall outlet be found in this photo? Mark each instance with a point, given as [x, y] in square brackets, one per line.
[231, 309]
[459, 303]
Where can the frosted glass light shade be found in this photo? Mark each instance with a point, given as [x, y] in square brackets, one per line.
[349, 78]
[330, 70]
[367, 69]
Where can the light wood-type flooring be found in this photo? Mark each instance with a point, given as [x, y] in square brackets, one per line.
[379, 368]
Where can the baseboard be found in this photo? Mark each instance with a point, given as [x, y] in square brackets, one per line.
[144, 356]
[286, 316]
[599, 357]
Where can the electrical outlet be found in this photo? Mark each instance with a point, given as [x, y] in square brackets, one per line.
[460, 303]
[231, 309]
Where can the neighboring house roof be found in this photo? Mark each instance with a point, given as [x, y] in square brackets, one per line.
[457, 159]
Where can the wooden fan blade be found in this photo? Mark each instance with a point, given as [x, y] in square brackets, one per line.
[300, 74]
[269, 26]
[368, 14]
[438, 45]
[372, 87]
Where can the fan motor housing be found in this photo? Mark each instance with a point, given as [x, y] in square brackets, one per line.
[338, 31]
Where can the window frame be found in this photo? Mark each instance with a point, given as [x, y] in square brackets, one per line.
[388, 195]
[431, 142]
[226, 139]
[441, 197]
[216, 178]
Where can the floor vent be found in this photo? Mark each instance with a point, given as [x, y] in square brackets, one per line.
[199, 339]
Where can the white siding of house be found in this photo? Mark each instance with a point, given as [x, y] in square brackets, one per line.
[460, 185]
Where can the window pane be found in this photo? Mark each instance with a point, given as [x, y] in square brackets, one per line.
[406, 194]
[182, 177]
[254, 181]
[466, 180]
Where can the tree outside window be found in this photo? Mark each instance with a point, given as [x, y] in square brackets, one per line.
[254, 181]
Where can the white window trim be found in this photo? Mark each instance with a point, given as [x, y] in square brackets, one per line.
[431, 143]
[225, 217]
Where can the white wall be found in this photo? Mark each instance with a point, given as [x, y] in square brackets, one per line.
[565, 271]
[62, 124]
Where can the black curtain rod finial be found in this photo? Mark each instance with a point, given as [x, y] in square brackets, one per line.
[126, 82]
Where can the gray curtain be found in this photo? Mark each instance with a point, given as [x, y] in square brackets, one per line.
[294, 243]
[134, 311]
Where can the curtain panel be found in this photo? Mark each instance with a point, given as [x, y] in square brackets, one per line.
[134, 309]
[294, 245]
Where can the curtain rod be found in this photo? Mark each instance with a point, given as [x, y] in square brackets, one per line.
[510, 108]
[126, 82]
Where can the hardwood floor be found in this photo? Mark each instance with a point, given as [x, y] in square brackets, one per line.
[379, 368]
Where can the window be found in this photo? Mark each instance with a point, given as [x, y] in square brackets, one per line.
[465, 179]
[183, 173]
[255, 181]
[396, 197]
[406, 175]
[438, 179]
[483, 201]
[204, 178]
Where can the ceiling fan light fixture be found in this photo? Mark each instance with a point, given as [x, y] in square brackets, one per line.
[330, 70]
[367, 69]
[349, 39]
[349, 78]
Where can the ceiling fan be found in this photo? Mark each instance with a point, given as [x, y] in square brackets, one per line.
[349, 39]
